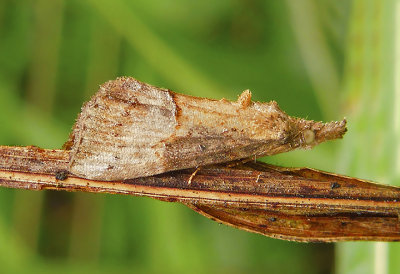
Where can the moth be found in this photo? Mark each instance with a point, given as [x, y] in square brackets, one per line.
[131, 129]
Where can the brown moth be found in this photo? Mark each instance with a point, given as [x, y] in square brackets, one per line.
[131, 129]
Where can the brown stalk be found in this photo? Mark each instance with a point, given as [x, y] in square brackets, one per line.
[297, 204]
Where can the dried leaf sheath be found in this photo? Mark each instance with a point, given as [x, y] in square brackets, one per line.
[293, 204]
[332, 208]
[131, 129]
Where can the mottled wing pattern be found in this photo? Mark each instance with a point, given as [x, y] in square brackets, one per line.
[131, 129]
[118, 132]
[212, 131]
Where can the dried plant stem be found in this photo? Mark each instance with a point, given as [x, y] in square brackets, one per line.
[293, 204]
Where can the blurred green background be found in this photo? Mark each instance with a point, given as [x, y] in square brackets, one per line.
[320, 59]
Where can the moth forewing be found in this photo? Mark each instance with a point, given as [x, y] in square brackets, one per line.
[119, 132]
[131, 129]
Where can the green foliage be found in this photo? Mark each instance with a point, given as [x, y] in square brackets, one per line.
[371, 148]
[318, 59]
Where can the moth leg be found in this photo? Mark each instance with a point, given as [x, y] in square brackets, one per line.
[193, 174]
[230, 164]
[241, 161]
[246, 160]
